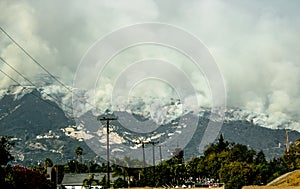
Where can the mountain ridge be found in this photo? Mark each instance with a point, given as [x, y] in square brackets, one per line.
[43, 129]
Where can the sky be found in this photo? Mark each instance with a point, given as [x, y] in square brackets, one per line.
[255, 44]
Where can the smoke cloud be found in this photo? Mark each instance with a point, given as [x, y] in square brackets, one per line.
[255, 43]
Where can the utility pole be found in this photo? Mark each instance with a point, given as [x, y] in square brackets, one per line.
[143, 148]
[160, 153]
[56, 176]
[107, 145]
[153, 143]
[287, 140]
[144, 161]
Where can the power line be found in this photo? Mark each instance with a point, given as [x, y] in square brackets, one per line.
[56, 100]
[34, 60]
[26, 88]
[16, 71]
[40, 65]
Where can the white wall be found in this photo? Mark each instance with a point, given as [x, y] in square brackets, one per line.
[73, 187]
[80, 187]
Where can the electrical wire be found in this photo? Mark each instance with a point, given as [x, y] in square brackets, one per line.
[34, 60]
[7, 75]
[40, 65]
[28, 80]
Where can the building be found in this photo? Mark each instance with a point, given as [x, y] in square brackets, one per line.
[75, 181]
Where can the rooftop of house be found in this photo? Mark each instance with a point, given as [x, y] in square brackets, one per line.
[74, 179]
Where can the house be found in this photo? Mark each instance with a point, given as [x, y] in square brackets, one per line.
[75, 181]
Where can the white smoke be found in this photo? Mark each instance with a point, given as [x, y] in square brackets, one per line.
[18, 18]
[255, 44]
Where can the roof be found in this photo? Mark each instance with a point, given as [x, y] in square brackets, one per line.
[77, 179]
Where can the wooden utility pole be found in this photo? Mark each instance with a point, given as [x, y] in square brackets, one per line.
[160, 154]
[144, 161]
[107, 145]
[153, 143]
[143, 148]
[287, 140]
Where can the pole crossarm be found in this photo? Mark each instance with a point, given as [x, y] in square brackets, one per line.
[106, 118]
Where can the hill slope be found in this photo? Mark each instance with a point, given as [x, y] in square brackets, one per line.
[42, 129]
[289, 180]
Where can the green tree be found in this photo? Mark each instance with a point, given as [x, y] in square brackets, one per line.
[48, 162]
[75, 167]
[120, 183]
[79, 152]
[192, 165]
[222, 145]
[260, 158]
[126, 167]
[241, 153]
[88, 182]
[165, 174]
[5, 147]
[96, 168]
[277, 167]
[292, 156]
[236, 174]
[262, 169]
[234, 164]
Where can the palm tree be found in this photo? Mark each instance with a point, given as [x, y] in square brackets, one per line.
[48, 162]
[78, 151]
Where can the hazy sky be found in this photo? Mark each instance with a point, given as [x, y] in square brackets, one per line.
[256, 44]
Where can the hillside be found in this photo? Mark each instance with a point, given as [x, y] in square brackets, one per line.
[41, 129]
[270, 187]
[271, 141]
[289, 180]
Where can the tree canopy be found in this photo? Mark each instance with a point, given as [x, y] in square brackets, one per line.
[5, 147]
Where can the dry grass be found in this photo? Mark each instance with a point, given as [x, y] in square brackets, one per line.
[271, 187]
[288, 181]
[178, 188]
[292, 179]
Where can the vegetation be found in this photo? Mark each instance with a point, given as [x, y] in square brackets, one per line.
[88, 182]
[292, 156]
[18, 176]
[270, 187]
[288, 179]
[236, 165]
[5, 146]
[79, 152]
[48, 162]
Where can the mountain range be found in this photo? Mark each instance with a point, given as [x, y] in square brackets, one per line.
[44, 127]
